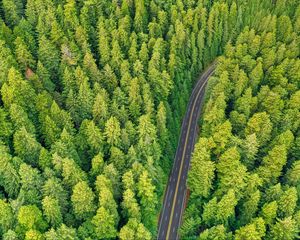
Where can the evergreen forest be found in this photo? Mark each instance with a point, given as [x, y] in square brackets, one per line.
[244, 179]
[92, 96]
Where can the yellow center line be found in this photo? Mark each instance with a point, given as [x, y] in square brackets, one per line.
[182, 160]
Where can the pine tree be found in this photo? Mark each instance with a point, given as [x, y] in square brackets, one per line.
[284, 28]
[7, 61]
[113, 131]
[202, 170]
[134, 230]
[70, 15]
[269, 212]
[30, 217]
[255, 230]
[218, 232]
[90, 138]
[6, 217]
[26, 146]
[9, 177]
[31, 181]
[91, 68]
[48, 55]
[141, 16]
[261, 125]
[287, 202]
[82, 200]
[116, 56]
[272, 164]
[146, 191]
[218, 212]
[24, 57]
[17, 90]
[135, 98]
[147, 132]
[130, 205]
[104, 43]
[284, 229]
[52, 211]
[292, 176]
[53, 189]
[72, 173]
[143, 54]
[33, 235]
[104, 225]
[100, 108]
[97, 164]
[161, 122]
[5, 125]
[13, 11]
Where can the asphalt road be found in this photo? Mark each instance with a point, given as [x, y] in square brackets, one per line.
[173, 206]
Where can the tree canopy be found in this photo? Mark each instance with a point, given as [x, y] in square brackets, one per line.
[92, 95]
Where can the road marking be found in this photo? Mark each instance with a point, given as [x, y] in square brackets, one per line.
[184, 123]
[173, 229]
[181, 164]
[184, 197]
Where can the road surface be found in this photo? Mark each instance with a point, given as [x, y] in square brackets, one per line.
[173, 205]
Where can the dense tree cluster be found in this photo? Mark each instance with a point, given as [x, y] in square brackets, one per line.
[87, 132]
[91, 98]
[244, 176]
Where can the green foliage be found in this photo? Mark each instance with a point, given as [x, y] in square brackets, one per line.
[218, 212]
[52, 211]
[82, 200]
[202, 171]
[104, 225]
[244, 170]
[30, 217]
[255, 231]
[91, 100]
[6, 217]
[134, 230]
[217, 232]
[284, 229]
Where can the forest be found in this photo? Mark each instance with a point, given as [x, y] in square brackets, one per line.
[92, 95]
[245, 170]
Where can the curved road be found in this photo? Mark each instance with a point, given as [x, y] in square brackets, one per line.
[173, 206]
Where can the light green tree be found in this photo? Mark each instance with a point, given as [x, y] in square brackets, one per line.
[284, 229]
[30, 217]
[52, 212]
[261, 125]
[104, 225]
[113, 131]
[202, 172]
[83, 200]
[6, 217]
